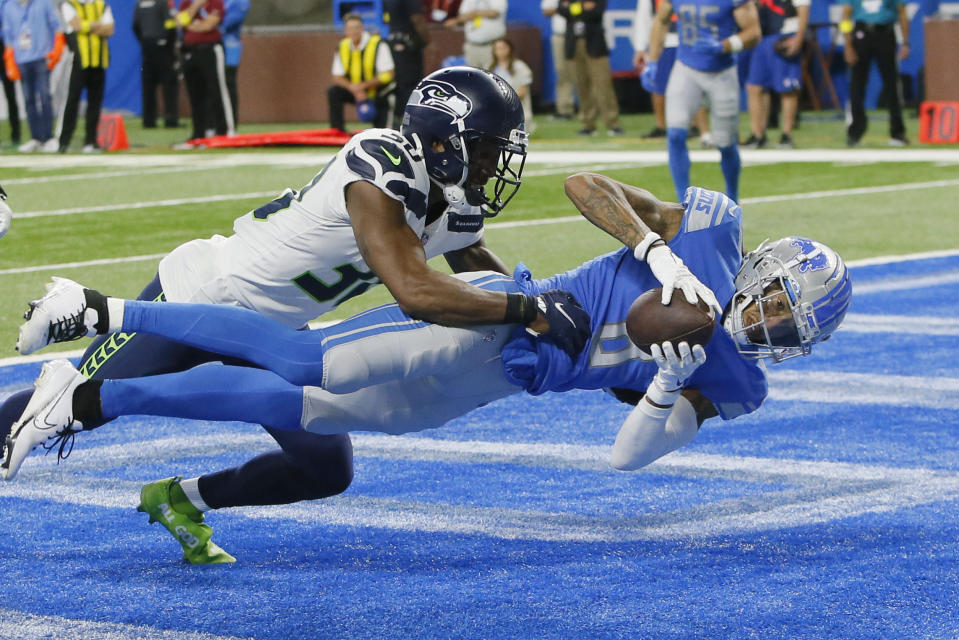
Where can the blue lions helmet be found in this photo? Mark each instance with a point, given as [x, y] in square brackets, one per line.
[469, 124]
[790, 294]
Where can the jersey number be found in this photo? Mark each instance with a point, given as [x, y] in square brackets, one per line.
[692, 17]
[352, 283]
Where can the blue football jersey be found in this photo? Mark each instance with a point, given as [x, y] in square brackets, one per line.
[702, 21]
[710, 243]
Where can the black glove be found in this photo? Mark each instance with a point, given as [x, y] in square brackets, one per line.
[568, 321]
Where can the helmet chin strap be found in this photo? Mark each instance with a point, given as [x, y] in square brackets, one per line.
[455, 196]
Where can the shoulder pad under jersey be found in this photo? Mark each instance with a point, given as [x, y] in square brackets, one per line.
[387, 160]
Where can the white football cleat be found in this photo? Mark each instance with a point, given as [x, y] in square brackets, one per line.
[49, 414]
[59, 316]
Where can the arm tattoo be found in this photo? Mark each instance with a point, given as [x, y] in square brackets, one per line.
[612, 216]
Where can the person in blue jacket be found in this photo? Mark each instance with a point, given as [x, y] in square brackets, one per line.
[234, 13]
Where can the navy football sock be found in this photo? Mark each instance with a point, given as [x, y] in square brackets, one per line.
[310, 466]
[208, 392]
[730, 163]
[678, 160]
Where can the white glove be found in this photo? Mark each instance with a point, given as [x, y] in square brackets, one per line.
[673, 273]
[6, 217]
[676, 365]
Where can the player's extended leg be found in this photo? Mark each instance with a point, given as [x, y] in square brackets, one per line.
[324, 357]
[723, 89]
[683, 96]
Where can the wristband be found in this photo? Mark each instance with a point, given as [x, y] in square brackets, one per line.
[385, 77]
[183, 18]
[735, 44]
[647, 243]
[520, 309]
[845, 26]
[658, 395]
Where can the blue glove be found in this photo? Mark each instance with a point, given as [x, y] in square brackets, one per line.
[568, 321]
[648, 77]
[709, 45]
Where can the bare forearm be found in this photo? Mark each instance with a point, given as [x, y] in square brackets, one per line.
[624, 212]
[441, 299]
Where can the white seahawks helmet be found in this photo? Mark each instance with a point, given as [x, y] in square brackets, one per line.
[817, 291]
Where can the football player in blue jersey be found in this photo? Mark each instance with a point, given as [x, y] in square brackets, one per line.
[710, 32]
[386, 203]
[385, 371]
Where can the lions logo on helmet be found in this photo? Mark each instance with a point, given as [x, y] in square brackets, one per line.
[442, 96]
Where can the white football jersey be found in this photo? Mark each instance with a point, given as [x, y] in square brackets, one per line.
[295, 258]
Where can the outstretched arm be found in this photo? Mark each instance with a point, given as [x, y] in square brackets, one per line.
[623, 211]
[668, 416]
[644, 224]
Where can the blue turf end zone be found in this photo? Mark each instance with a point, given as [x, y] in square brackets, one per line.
[829, 513]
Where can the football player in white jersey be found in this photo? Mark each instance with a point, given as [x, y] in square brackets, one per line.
[376, 213]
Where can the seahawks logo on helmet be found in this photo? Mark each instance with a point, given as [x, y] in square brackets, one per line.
[442, 96]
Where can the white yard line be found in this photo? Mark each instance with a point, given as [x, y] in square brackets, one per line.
[28, 626]
[318, 156]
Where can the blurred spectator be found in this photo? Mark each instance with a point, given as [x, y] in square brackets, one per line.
[564, 76]
[775, 66]
[407, 39]
[869, 30]
[234, 13]
[10, 91]
[155, 30]
[31, 30]
[203, 67]
[642, 26]
[585, 49]
[516, 73]
[363, 74]
[484, 21]
[89, 23]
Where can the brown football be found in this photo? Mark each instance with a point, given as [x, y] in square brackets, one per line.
[649, 321]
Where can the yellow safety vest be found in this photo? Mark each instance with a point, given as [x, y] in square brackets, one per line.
[360, 65]
[92, 49]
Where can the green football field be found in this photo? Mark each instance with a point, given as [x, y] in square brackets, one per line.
[105, 220]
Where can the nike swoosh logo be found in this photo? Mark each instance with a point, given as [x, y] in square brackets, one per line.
[559, 306]
[394, 159]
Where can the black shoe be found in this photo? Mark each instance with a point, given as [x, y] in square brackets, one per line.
[172, 125]
[694, 132]
[561, 116]
[852, 142]
[655, 132]
[898, 141]
[586, 132]
[752, 142]
[786, 142]
[152, 125]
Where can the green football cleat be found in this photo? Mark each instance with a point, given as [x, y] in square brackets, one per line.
[186, 527]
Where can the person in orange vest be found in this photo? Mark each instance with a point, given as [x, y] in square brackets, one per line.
[88, 25]
[363, 74]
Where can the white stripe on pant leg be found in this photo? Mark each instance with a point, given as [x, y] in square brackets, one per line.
[224, 92]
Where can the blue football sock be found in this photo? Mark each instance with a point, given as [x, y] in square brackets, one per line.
[296, 356]
[208, 392]
[678, 160]
[731, 166]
